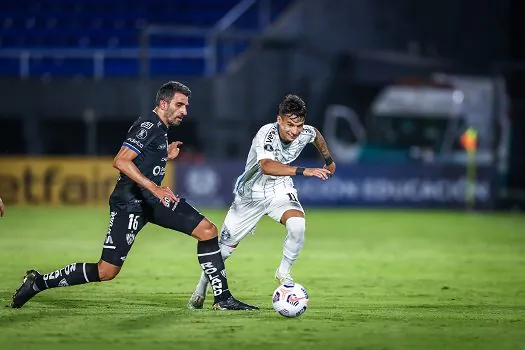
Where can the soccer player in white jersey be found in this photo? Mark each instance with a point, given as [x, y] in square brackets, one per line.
[266, 188]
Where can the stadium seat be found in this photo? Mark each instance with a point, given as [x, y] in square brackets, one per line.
[99, 24]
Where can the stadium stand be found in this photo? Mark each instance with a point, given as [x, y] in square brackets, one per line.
[88, 26]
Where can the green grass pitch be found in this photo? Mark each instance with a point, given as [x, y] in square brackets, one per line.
[376, 280]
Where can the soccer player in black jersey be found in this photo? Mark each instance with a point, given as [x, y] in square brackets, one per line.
[139, 198]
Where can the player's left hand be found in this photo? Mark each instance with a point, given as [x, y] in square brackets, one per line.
[330, 168]
[2, 208]
[174, 149]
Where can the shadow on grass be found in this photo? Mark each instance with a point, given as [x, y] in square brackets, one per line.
[138, 311]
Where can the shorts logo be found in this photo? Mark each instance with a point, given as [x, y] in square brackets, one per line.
[162, 146]
[146, 125]
[130, 237]
[123, 258]
[111, 220]
[225, 234]
[141, 135]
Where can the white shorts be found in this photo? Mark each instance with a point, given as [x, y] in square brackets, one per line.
[244, 214]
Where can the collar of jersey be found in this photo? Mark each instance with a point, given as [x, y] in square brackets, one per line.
[285, 144]
[156, 116]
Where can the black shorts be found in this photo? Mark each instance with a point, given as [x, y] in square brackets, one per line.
[126, 221]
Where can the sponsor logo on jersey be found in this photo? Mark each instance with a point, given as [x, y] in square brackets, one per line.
[136, 142]
[146, 125]
[308, 131]
[270, 136]
[141, 135]
[225, 234]
[159, 170]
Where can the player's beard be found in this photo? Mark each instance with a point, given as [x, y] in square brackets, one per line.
[174, 120]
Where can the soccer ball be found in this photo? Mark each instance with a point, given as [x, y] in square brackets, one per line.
[290, 301]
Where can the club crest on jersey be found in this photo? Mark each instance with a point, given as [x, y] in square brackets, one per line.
[130, 237]
[141, 135]
[146, 125]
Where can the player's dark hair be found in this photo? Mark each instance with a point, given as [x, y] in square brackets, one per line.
[292, 105]
[168, 90]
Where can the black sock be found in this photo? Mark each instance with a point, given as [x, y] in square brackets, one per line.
[211, 262]
[70, 275]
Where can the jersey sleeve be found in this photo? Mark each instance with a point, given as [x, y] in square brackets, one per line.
[140, 135]
[263, 143]
[309, 132]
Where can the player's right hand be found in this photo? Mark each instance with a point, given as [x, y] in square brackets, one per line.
[165, 195]
[321, 173]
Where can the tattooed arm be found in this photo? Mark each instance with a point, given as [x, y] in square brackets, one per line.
[322, 147]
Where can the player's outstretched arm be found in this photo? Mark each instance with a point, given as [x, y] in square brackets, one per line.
[124, 163]
[2, 208]
[322, 147]
[274, 168]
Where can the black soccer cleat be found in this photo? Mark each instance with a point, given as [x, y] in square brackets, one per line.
[233, 304]
[26, 290]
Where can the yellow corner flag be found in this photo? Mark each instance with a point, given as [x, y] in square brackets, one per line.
[469, 141]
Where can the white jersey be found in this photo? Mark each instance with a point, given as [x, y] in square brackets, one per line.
[267, 145]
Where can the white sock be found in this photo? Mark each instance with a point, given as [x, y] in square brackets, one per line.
[293, 243]
[202, 286]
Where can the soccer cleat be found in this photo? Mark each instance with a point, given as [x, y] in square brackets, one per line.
[233, 304]
[26, 290]
[196, 301]
[284, 278]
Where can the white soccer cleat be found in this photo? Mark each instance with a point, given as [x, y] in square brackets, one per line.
[196, 301]
[284, 278]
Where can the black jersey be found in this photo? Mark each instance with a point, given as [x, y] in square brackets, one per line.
[148, 137]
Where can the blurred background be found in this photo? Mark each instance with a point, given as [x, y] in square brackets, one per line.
[422, 103]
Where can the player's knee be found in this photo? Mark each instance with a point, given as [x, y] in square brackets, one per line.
[226, 250]
[296, 227]
[107, 272]
[205, 230]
